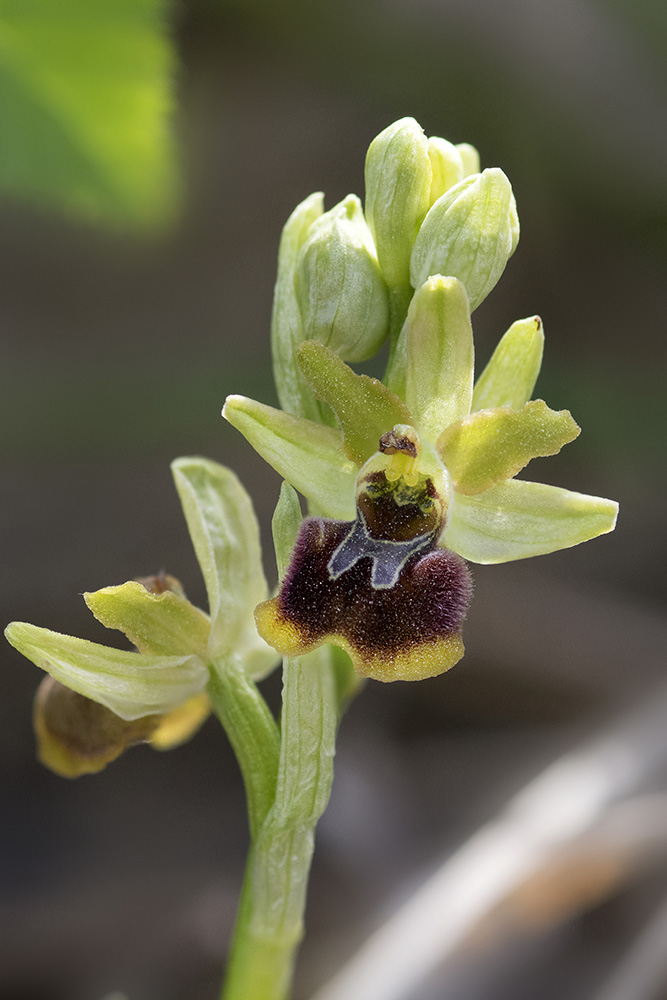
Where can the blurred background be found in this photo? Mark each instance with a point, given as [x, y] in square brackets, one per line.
[136, 284]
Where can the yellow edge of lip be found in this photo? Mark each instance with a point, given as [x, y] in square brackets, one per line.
[422, 660]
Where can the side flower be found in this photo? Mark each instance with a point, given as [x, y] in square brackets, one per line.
[98, 700]
[419, 476]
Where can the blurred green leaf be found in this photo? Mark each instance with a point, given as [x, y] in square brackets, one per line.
[85, 92]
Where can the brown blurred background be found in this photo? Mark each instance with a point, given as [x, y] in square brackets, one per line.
[117, 355]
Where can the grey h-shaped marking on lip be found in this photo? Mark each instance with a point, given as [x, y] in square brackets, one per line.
[388, 557]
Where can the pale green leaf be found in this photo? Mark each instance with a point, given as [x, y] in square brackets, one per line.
[364, 406]
[490, 445]
[510, 376]
[517, 519]
[306, 454]
[85, 98]
[225, 535]
[130, 684]
[439, 355]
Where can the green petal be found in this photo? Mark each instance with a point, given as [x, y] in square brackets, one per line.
[364, 406]
[439, 355]
[308, 455]
[446, 164]
[225, 535]
[155, 623]
[469, 233]
[517, 519]
[130, 684]
[286, 327]
[510, 376]
[491, 445]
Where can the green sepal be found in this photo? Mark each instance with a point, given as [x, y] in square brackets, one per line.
[308, 455]
[469, 158]
[164, 623]
[398, 186]
[469, 233]
[518, 519]
[437, 345]
[286, 326]
[491, 445]
[130, 684]
[341, 293]
[511, 374]
[446, 164]
[365, 407]
[225, 535]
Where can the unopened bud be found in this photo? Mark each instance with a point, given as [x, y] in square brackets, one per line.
[469, 158]
[398, 189]
[446, 164]
[470, 233]
[340, 290]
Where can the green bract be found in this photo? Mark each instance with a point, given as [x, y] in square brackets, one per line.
[286, 325]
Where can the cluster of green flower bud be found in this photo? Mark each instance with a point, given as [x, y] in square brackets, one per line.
[346, 277]
[432, 212]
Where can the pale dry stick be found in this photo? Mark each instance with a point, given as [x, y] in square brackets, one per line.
[642, 973]
[554, 809]
[630, 837]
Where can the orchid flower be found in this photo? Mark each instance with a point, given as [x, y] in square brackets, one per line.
[98, 700]
[418, 474]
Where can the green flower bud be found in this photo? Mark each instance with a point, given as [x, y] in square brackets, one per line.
[340, 290]
[470, 233]
[398, 189]
[469, 158]
[446, 164]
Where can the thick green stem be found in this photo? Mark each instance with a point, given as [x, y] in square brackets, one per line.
[270, 920]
